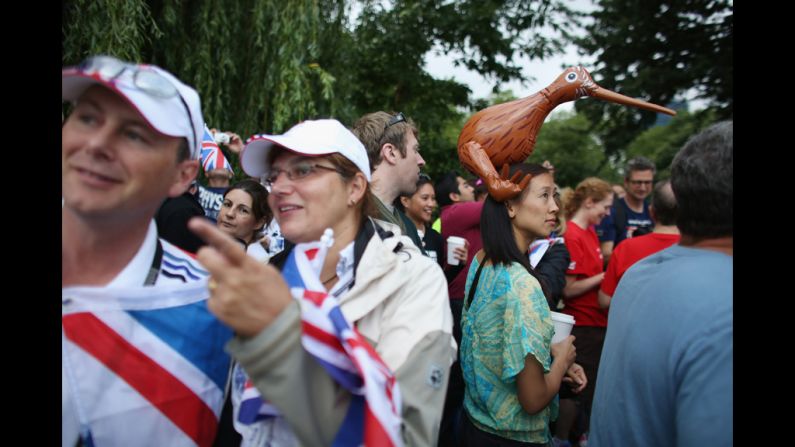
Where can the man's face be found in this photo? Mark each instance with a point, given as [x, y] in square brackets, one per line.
[409, 167]
[639, 184]
[218, 178]
[114, 163]
[466, 191]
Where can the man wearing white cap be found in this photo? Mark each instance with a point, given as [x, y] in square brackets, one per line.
[142, 363]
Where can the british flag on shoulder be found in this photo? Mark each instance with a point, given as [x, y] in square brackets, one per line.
[145, 366]
[373, 417]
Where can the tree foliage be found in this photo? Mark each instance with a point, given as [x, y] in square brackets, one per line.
[661, 143]
[657, 50]
[263, 65]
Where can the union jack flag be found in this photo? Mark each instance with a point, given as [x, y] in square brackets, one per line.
[211, 156]
[539, 247]
[373, 417]
[144, 366]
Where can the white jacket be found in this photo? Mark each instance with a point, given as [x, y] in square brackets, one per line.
[399, 303]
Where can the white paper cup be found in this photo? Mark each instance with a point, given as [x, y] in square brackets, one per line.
[454, 242]
[563, 324]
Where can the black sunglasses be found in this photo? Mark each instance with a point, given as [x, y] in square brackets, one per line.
[399, 118]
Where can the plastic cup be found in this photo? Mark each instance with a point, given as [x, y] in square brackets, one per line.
[454, 242]
[563, 324]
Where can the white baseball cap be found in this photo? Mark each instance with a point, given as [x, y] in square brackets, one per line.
[312, 137]
[168, 105]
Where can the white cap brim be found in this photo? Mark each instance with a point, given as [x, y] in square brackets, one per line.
[308, 138]
[166, 115]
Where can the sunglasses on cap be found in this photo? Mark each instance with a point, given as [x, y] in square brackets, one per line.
[148, 81]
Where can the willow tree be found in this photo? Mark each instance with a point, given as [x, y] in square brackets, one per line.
[263, 65]
[253, 62]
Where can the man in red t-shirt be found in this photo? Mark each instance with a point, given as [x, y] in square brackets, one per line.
[665, 234]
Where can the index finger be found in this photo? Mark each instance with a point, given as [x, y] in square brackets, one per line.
[219, 240]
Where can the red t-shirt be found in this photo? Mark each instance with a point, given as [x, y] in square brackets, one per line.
[586, 261]
[631, 251]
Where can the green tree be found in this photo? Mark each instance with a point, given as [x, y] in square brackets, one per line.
[657, 50]
[385, 69]
[661, 143]
[263, 65]
[254, 62]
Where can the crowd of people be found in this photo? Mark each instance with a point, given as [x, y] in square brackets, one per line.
[181, 312]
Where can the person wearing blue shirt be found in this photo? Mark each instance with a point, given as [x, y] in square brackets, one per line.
[629, 215]
[666, 374]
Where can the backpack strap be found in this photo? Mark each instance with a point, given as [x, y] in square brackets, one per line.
[620, 217]
[474, 284]
[154, 269]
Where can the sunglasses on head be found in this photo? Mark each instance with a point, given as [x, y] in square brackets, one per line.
[399, 118]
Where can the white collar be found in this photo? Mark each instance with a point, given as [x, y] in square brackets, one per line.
[344, 271]
[135, 272]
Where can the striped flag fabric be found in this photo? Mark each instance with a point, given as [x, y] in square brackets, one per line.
[373, 417]
[211, 155]
[144, 366]
[539, 247]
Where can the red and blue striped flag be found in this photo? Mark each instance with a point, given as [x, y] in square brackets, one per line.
[144, 366]
[373, 417]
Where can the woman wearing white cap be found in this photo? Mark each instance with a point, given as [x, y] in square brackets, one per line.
[318, 173]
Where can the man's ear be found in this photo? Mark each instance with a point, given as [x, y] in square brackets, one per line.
[186, 172]
[389, 153]
[455, 197]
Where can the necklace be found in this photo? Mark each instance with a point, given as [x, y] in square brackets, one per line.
[329, 280]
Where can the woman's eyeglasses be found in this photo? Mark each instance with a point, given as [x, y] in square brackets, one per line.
[296, 172]
[148, 81]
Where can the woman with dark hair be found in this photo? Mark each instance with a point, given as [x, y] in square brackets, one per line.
[419, 209]
[511, 370]
[243, 215]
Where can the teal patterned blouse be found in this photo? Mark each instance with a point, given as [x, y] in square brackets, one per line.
[507, 320]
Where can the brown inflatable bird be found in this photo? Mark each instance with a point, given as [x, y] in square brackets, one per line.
[506, 133]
